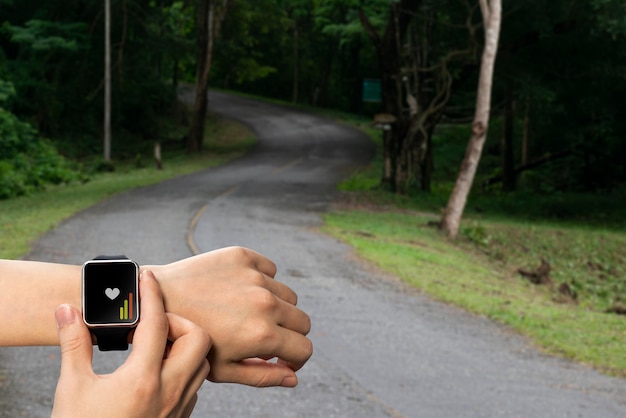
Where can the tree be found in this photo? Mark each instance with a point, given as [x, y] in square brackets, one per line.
[419, 52]
[107, 80]
[491, 11]
[210, 18]
[53, 55]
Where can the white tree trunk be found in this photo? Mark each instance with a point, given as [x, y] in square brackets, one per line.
[107, 80]
[492, 15]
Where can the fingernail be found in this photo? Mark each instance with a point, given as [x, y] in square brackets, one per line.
[65, 315]
[289, 382]
[146, 274]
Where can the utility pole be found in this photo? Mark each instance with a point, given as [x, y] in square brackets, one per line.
[107, 80]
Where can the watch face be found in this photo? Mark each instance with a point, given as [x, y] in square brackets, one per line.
[110, 290]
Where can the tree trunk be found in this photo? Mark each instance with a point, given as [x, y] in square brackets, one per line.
[388, 49]
[296, 62]
[107, 80]
[508, 159]
[354, 75]
[210, 18]
[491, 12]
[526, 135]
[407, 80]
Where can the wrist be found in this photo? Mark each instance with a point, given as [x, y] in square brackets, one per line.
[162, 275]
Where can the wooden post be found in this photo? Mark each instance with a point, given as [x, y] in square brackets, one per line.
[157, 155]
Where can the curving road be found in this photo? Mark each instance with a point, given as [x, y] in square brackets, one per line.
[381, 349]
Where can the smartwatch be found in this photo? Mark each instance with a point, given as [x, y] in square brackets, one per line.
[110, 299]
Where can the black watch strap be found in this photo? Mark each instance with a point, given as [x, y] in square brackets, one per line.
[111, 257]
[111, 339]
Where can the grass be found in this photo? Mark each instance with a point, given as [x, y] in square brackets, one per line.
[24, 219]
[581, 237]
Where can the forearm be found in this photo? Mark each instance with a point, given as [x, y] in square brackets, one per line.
[31, 291]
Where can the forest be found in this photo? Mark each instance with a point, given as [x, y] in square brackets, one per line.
[558, 123]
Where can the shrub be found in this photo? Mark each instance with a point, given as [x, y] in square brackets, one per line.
[28, 162]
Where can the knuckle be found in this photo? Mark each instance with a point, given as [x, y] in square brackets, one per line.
[263, 334]
[202, 339]
[241, 255]
[265, 380]
[71, 345]
[265, 301]
[255, 278]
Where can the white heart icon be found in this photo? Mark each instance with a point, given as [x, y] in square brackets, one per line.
[112, 293]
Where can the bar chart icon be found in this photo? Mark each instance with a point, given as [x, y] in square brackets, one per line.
[126, 310]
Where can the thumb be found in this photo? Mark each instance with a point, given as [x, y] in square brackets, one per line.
[75, 341]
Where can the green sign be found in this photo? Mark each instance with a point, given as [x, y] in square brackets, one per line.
[372, 90]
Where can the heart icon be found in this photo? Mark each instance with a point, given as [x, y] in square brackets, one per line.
[112, 293]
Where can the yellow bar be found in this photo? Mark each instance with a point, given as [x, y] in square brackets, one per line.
[121, 312]
[125, 308]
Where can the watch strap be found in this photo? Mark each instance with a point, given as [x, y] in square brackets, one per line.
[111, 257]
[110, 339]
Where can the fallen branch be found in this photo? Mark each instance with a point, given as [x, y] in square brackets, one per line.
[528, 166]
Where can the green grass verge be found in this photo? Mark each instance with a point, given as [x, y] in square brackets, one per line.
[482, 278]
[24, 219]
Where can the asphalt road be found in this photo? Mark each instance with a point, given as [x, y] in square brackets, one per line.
[380, 348]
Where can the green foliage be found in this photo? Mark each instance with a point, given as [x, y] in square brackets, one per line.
[477, 234]
[44, 36]
[611, 14]
[27, 162]
[6, 90]
[53, 55]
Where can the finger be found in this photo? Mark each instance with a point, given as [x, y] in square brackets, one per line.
[281, 290]
[263, 264]
[191, 404]
[189, 349]
[245, 256]
[257, 372]
[75, 341]
[271, 310]
[151, 334]
[292, 318]
[291, 348]
[190, 390]
[186, 367]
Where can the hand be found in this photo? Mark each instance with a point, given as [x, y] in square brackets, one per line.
[157, 380]
[232, 294]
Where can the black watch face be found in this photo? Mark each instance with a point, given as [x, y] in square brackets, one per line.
[110, 292]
